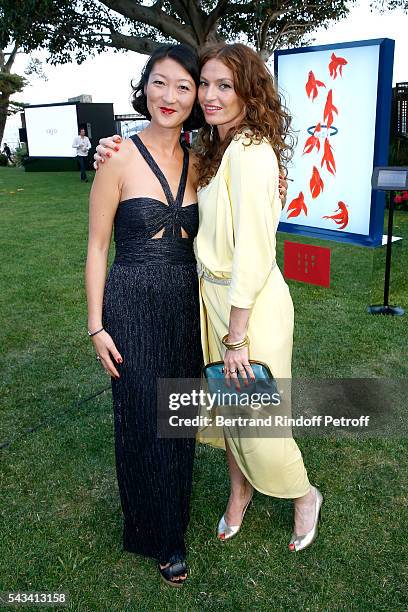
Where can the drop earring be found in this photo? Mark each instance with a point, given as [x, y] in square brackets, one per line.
[211, 133]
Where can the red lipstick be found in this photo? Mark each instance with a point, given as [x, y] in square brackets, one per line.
[167, 111]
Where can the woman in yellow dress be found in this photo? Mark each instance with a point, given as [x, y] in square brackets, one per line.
[243, 293]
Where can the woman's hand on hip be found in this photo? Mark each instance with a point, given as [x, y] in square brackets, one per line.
[105, 148]
[106, 351]
[237, 362]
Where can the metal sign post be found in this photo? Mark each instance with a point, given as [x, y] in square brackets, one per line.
[389, 179]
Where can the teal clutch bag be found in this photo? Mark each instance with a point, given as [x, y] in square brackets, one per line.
[264, 381]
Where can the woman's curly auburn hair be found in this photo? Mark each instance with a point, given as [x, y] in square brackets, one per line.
[265, 115]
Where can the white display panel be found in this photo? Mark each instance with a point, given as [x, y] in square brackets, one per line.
[336, 87]
[51, 130]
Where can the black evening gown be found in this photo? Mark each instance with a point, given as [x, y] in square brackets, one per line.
[151, 310]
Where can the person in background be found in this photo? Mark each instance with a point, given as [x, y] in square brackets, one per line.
[82, 145]
[7, 152]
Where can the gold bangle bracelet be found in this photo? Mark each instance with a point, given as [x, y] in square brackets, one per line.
[235, 346]
[243, 341]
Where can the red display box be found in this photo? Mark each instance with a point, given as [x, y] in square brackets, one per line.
[307, 263]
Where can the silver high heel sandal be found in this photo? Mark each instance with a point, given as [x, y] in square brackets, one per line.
[300, 542]
[225, 531]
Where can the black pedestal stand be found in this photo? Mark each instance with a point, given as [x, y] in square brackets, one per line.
[386, 309]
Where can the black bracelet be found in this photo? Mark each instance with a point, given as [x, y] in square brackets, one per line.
[94, 333]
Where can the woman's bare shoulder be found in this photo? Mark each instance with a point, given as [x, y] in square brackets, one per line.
[122, 156]
[128, 146]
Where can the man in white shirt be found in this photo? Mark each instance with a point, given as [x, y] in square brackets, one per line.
[82, 145]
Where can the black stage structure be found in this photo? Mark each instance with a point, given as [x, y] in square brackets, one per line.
[96, 117]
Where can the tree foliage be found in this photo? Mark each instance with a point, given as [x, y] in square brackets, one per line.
[75, 29]
[389, 5]
[80, 27]
[24, 27]
[31, 23]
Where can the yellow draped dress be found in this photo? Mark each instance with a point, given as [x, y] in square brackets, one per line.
[239, 213]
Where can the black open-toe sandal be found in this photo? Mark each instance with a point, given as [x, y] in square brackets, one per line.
[176, 568]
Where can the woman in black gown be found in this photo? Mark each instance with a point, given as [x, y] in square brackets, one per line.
[144, 321]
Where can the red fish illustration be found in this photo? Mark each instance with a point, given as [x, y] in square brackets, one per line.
[297, 205]
[341, 218]
[316, 183]
[313, 141]
[336, 63]
[312, 85]
[329, 109]
[328, 158]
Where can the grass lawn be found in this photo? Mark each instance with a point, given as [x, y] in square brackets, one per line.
[60, 512]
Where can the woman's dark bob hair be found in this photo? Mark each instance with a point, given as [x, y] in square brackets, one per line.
[187, 57]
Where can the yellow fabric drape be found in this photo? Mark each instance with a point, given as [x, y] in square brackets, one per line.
[239, 214]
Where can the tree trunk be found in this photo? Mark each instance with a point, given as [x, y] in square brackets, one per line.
[4, 102]
[5, 66]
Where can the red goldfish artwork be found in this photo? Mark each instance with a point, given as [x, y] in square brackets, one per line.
[336, 63]
[297, 205]
[328, 158]
[312, 85]
[341, 217]
[316, 183]
[313, 141]
[329, 109]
